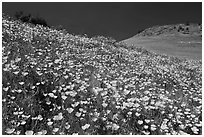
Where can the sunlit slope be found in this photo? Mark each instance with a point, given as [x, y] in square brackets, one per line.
[59, 84]
[169, 41]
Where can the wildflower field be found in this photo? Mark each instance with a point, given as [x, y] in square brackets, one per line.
[55, 83]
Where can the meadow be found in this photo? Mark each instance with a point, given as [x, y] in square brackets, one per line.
[181, 46]
[56, 83]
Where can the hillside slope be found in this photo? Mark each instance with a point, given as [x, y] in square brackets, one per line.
[57, 83]
[174, 40]
[192, 29]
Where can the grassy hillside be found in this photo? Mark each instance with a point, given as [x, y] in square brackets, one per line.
[57, 83]
[190, 28]
[174, 40]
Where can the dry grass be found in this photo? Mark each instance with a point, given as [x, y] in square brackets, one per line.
[182, 46]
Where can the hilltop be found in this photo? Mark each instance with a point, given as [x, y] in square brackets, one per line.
[180, 40]
[62, 84]
[175, 29]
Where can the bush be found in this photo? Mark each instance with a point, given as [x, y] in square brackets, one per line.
[180, 29]
[18, 14]
[139, 31]
[26, 18]
[39, 21]
[29, 19]
[187, 23]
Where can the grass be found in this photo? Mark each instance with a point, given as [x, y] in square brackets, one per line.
[60, 84]
[182, 46]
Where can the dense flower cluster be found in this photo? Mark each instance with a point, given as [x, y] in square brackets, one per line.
[58, 83]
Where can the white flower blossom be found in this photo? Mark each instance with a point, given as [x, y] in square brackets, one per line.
[115, 126]
[104, 104]
[10, 131]
[85, 126]
[147, 120]
[70, 110]
[137, 114]
[145, 98]
[55, 129]
[78, 114]
[153, 127]
[67, 126]
[140, 122]
[51, 95]
[49, 123]
[146, 126]
[29, 132]
[195, 129]
[58, 117]
[21, 83]
[6, 89]
[183, 133]
[23, 122]
[64, 97]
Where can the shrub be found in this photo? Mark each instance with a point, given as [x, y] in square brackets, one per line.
[29, 19]
[18, 14]
[180, 29]
[187, 23]
[26, 18]
[139, 31]
[39, 21]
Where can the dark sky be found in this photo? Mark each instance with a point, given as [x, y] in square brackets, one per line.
[119, 20]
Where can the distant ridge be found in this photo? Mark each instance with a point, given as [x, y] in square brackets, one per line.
[192, 29]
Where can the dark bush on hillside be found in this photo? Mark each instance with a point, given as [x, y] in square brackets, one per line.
[29, 19]
[18, 14]
[39, 21]
[139, 31]
[187, 23]
[25, 18]
[180, 29]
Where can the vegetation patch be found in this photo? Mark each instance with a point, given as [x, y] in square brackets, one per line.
[55, 83]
